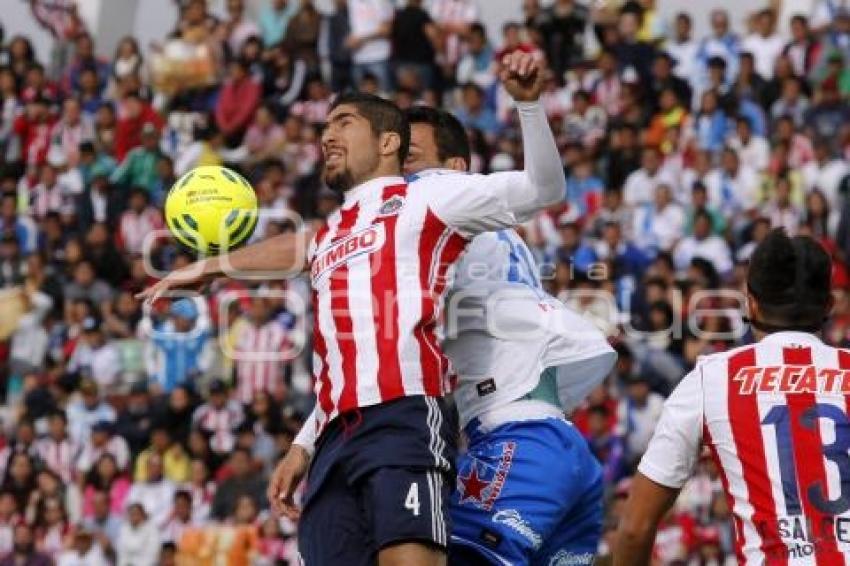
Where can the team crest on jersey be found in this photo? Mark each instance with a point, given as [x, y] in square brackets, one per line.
[391, 206]
[482, 481]
[365, 241]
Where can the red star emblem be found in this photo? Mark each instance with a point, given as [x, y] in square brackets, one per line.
[473, 486]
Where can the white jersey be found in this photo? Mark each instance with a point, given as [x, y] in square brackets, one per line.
[502, 331]
[775, 416]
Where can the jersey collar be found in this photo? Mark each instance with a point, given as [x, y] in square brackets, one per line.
[792, 336]
[430, 173]
[370, 187]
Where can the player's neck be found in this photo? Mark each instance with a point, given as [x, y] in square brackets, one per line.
[383, 169]
[760, 335]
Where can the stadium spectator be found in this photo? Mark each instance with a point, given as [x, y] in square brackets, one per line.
[85, 551]
[24, 550]
[415, 40]
[139, 539]
[219, 417]
[242, 481]
[704, 244]
[169, 457]
[371, 26]
[87, 409]
[178, 346]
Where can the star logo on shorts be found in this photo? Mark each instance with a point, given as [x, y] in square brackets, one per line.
[473, 486]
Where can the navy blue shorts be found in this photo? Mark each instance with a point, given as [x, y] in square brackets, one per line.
[380, 476]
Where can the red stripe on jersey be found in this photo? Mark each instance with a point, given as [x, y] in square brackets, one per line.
[320, 348]
[745, 422]
[429, 355]
[809, 462]
[385, 309]
[739, 524]
[844, 363]
[340, 310]
[320, 235]
[455, 245]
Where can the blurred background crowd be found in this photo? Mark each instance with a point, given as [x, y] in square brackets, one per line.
[136, 436]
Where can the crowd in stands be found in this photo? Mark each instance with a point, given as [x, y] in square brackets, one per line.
[137, 435]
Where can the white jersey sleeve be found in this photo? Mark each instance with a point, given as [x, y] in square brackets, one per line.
[306, 437]
[482, 203]
[674, 449]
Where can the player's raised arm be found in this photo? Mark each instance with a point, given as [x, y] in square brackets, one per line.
[283, 253]
[522, 77]
[483, 203]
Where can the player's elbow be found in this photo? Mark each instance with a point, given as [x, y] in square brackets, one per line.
[553, 194]
[546, 192]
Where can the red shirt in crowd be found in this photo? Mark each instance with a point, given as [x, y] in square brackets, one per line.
[128, 130]
[237, 102]
[35, 138]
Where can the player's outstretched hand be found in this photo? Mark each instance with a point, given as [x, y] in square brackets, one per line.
[285, 480]
[193, 275]
[522, 76]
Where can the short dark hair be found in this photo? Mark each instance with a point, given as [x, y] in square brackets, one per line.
[183, 494]
[791, 280]
[449, 134]
[703, 214]
[382, 115]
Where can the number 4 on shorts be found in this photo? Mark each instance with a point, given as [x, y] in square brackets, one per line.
[411, 502]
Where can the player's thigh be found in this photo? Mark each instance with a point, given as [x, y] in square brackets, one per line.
[575, 540]
[411, 554]
[407, 512]
[515, 486]
[333, 529]
[502, 508]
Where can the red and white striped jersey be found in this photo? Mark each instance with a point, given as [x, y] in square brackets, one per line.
[59, 456]
[379, 270]
[776, 416]
[221, 424]
[259, 362]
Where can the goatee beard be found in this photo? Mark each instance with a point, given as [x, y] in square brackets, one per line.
[341, 182]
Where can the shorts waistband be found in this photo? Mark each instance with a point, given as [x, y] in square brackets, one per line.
[522, 410]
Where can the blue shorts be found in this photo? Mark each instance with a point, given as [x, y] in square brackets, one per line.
[380, 476]
[528, 492]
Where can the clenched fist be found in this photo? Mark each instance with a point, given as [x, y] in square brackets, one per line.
[522, 76]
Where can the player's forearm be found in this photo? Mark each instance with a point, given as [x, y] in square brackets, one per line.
[285, 252]
[633, 548]
[647, 503]
[542, 160]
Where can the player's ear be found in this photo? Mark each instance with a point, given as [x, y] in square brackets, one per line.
[389, 143]
[830, 304]
[752, 307]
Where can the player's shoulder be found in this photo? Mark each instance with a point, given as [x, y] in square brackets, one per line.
[720, 359]
[438, 178]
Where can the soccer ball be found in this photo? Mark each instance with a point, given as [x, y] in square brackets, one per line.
[211, 209]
